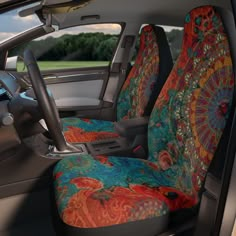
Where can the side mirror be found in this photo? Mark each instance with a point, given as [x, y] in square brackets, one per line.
[11, 63]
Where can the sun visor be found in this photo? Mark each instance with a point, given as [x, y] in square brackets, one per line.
[67, 7]
[55, 6]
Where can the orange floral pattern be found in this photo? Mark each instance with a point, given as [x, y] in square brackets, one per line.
[78, 135]
[119, 197]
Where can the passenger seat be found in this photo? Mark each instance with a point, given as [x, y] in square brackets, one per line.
[138, 94]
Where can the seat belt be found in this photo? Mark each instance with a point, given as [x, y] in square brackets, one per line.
[116, 81]
[127, 44]
[165, 67]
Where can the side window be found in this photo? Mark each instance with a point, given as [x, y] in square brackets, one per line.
[81, 46]
[174, 36]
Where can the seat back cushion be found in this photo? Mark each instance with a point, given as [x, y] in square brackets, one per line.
[137, 89]
[190, 113]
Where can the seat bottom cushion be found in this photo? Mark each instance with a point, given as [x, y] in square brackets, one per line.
[87, 130]
[101, 191]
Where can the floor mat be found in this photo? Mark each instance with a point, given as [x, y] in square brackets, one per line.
[41, 227]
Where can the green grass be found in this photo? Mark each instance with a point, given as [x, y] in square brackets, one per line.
[50, 65]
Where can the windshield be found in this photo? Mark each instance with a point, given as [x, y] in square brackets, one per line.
[12, 24]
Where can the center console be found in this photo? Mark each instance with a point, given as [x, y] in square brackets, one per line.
[132, 141]
[118, 146]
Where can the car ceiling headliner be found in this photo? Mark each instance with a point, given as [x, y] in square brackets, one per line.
[168, 12]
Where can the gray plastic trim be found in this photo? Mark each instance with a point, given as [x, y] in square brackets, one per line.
[230, 207]
[111, 88]
[76, 102]
[88, 89]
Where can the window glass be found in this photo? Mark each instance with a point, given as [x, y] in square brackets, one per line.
[75, 47]
[174, 36]
[12, 24]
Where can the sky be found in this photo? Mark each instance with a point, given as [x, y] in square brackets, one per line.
[11, 24]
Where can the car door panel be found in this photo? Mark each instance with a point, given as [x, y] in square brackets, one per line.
[74, 94]
[79, 91]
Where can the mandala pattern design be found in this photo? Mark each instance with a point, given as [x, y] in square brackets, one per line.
[190, 114]
[184, 130]
[138, 87]
[133, 99]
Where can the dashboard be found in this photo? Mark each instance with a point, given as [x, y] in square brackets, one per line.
[9, 88]
[19, 111]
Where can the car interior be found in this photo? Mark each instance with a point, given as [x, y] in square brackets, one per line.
[142, 144]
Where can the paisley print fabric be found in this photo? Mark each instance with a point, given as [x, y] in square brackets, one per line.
[190, 114]
[132, 100]
[103, 191]
[184, 130]
[87, 130]
[137, 89]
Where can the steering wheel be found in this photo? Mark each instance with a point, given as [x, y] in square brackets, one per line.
[46, 102]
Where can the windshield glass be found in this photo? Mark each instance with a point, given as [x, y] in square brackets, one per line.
[12, 24]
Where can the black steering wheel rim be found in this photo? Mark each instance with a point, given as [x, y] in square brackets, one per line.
[45, 101]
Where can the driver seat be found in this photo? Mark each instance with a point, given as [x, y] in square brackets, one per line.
[122, 196]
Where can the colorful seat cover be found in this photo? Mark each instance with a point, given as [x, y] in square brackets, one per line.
[87, 130]
[133, 98]
[103, 191]
[185, 128]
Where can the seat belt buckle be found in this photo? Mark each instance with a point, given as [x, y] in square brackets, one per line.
[123, 71]
[139, 152]
[171, 195]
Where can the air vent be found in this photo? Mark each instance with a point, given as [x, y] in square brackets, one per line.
[4, 95]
